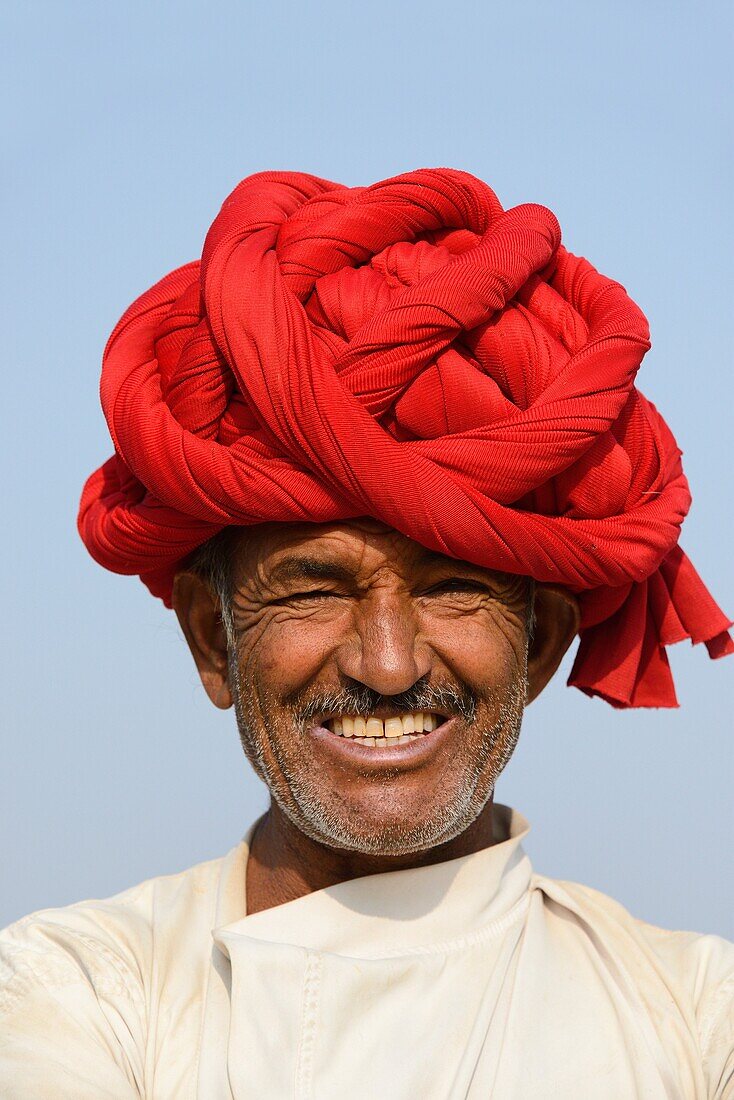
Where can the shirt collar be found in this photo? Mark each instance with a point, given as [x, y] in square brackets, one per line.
[393, 913]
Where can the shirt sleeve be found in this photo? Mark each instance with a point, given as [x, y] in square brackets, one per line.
[72, 1015]
[717, 1040]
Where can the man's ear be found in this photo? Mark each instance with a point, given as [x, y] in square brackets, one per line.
[557, 619]
[199, 614]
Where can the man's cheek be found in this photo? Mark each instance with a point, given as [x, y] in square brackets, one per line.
[288, 657]
[482, 658]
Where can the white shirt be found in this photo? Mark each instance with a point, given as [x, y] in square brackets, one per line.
[471, 978]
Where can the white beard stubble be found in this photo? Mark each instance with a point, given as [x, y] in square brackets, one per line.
[325, 825]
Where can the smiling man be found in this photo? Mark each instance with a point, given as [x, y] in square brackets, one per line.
[383, 453]
[379, 690]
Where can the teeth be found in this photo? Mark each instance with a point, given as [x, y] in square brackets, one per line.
[391, 731]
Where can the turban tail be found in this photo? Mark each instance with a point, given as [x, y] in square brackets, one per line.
[413, 352]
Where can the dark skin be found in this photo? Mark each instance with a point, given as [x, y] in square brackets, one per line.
[320, 609]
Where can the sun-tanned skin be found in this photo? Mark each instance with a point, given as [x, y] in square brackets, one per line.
[344, 607]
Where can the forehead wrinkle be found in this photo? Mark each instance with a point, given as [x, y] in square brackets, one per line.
[357, 540]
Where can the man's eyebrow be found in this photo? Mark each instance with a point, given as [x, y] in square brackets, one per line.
[304, 568]
[433, 558]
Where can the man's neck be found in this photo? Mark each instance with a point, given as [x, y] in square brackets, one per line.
[285, 864]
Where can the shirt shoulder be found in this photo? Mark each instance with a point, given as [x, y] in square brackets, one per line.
[114, 934]
[694, 971]
[699, 960]
[79, 984]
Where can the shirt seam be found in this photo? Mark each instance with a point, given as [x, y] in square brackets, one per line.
[98, 949]
[303, 1085]
[710, 1016]
[489, 931]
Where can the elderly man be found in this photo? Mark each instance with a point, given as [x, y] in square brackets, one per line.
[382, 452]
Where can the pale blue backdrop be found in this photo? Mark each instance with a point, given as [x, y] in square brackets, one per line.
[125, 127]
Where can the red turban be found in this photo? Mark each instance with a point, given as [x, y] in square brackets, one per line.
[413, 352]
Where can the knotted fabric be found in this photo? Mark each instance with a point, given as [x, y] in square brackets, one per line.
[413, 352]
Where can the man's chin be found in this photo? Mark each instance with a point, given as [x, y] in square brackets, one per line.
[401, 836]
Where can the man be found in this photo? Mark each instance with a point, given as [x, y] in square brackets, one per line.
[383, 454]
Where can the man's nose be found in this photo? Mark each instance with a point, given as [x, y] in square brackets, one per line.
[386, 653]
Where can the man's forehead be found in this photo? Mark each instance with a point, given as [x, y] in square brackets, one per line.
[274, 546]
[272, 543]
[285, 549]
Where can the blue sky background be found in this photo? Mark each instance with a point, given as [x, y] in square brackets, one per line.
[125, 126]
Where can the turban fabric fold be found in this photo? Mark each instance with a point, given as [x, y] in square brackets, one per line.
[413, 352]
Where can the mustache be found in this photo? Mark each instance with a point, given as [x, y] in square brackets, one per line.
[362, 701]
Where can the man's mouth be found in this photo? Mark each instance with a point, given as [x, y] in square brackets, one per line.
[390, 732]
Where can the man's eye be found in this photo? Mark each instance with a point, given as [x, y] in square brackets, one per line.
[459, 584]
[311, 595]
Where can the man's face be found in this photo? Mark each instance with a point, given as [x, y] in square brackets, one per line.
[353, 628]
